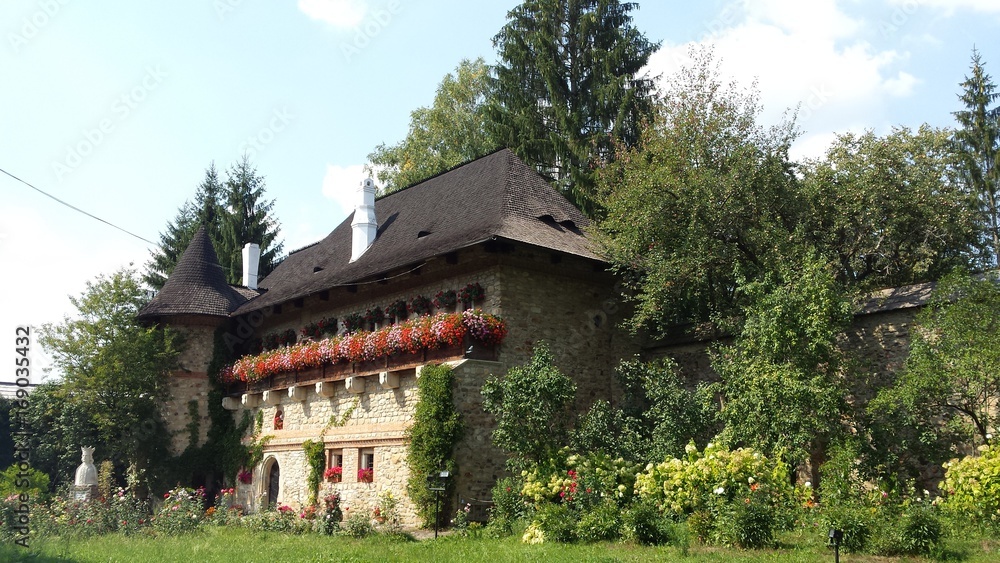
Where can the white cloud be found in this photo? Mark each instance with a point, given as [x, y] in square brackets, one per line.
[835, 79]
[338, 13]
[341, 185]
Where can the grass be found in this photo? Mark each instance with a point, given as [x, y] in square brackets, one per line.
[234, 545]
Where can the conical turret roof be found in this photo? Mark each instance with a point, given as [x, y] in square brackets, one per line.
[197, 286]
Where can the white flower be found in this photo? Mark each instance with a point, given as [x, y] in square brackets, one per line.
[809, 484]
[720, 491]
[750, 480]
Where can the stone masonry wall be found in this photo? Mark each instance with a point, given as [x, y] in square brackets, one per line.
[574, 309]
[189, 383]
[349, 424]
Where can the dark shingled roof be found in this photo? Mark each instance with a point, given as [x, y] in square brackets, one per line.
[197, 286]
[496, 196]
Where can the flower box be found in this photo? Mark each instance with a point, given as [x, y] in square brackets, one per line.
[366, 475]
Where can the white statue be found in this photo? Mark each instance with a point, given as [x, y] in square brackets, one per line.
[86, 474]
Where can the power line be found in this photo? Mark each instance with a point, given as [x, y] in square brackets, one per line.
[75, 208]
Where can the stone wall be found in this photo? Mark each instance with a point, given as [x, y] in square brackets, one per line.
[190, 383]
[348, 424]
[572, 307]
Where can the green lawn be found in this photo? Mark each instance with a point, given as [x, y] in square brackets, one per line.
[235, 545]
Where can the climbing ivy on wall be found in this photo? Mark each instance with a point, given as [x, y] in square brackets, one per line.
[436, 429]
[315, 460]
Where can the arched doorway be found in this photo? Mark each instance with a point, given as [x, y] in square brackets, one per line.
[273, 474]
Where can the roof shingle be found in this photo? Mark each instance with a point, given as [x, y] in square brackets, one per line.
[197, 286]
[496, 196]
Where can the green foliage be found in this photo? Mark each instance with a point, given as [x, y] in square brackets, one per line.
[643, 523]
[449, 132]
[602, 523]
[718, 480]
[855, 521]
[315, 460]
[105, 479]
[358, 524]
[114, 373]
[705, 198]
[954, 361]
[432, 437]
[568, 88]
[659, 415]
[977, 142]
[888, 210]
[14, 481]
[781, 378]
[531, 404]
[508, 507]
[971, 488]
[579, 480]
[557, 522]
[750, 524]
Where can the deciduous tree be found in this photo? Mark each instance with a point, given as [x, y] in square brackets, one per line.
[114, 370]
[954, 361]
[449, 132]
[531, 404]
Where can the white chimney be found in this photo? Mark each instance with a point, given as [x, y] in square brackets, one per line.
[364, 224]
[251, 264]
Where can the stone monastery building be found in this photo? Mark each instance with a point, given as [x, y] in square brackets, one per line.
[420, 276]
[489, 239]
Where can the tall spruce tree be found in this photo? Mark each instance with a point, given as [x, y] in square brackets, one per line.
[246, 217]
[231, 212]
[978, 144]
[568, 89]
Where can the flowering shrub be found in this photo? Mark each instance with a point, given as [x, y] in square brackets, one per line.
[245, 476]
[353, 322]
[733, 497]
[332, 515]
[580, 480]
[226, 511]
[412, 336]
[181, 511]
[279, 339]
[972, 487]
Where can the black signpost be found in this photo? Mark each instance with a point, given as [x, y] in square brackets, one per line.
[437, 483]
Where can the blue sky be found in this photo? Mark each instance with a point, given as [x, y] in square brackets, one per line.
[118, 108]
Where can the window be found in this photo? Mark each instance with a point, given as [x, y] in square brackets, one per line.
[366, 466]
[334, 465]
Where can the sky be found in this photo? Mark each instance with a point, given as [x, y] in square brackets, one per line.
[118, 107]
